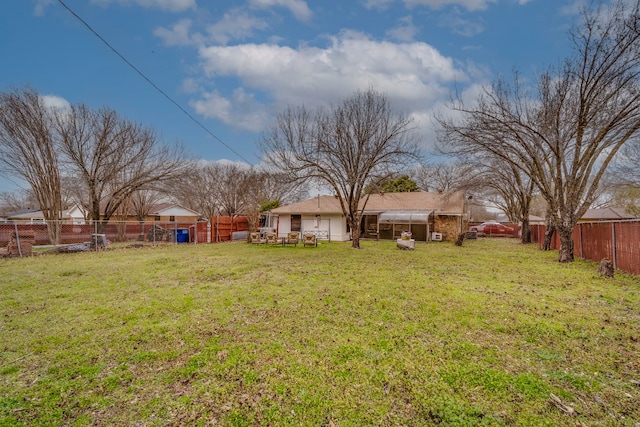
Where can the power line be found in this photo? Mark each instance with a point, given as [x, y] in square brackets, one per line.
[155, 86]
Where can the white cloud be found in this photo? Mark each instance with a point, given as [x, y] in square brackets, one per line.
[241, 111]
[433, 4]
[235, 24]
[55, 102]
[405, 31]
[190, 85]
[40, 6]
[169, 5]
[461, 26]
[436, 4]
[298, 8]
[377, 4]
[177, 35]
[413, 75]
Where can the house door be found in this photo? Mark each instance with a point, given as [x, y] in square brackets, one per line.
[369, 226]
[419, 232]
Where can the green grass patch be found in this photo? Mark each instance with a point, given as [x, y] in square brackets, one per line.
[242, 335]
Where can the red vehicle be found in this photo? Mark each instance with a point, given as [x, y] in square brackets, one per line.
[492, 228]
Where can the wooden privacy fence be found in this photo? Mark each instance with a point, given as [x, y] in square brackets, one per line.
[223, 227]
[618, 241]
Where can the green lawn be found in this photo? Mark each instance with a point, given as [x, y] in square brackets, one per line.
[240, 335]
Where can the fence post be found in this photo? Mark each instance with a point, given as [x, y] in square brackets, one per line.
[613, 245]
[18, 239]
[580, 240]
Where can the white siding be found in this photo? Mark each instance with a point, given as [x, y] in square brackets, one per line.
[333, 225]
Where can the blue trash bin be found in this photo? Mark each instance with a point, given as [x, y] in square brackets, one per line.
[182, 235]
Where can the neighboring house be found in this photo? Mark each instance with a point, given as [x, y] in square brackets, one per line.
[173, 213]
[160, 212]
[605, 214]
[35, 216]
[385, 216]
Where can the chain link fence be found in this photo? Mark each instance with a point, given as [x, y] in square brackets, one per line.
[18, 239]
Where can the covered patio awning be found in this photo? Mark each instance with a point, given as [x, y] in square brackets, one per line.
[404, 217]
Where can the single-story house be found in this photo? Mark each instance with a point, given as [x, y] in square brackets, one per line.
[72, 215]
[160, 212]
[173, 213]
[427, 215]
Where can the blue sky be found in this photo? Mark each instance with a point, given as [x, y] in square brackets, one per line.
[234, 64]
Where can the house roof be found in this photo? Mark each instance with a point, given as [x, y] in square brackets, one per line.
[534, 219]
[27, 214]
[23, 213]
[160, 209]
[605, 214]
[316, 206]
[172, 209]
[442, 203]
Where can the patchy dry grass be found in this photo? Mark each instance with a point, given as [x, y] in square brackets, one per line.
[239, 335]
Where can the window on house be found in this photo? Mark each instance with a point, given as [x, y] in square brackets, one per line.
[296, 222]
[172, 218]
[156, 218]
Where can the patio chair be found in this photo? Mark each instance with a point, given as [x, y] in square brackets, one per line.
[309, 239]
[255, 238]
[292, 238]
[272, 238]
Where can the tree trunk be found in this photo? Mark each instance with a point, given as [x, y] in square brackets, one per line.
[548, 235]
[54, 228]
[565, 254]
[355, 233]
[525, 236]
[549, 228]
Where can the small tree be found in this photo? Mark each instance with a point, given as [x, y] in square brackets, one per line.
[349, 147]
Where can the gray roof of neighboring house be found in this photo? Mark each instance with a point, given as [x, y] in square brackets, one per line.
[442, 203]
[22, 212]
[605, 214]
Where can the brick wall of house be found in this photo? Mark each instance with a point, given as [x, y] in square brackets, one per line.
[447, 225]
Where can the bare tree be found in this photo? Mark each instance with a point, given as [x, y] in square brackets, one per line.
[28, 150]
[114, 158]
[233, 182]
[194, 189]
[263, 188]
[16, 200]
[226, 188]
[625, 178]
[445, 177]
[143, 202]
[566, 135]
[511, 191]
[350, 146]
